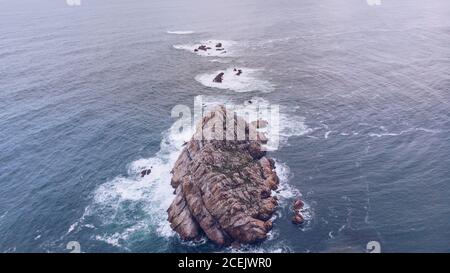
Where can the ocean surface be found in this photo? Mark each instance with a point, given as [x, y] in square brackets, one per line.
[86, 94]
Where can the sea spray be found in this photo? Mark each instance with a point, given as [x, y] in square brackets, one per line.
[129, 208]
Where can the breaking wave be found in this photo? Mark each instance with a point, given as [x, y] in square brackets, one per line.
[181, 32]
[132, 206]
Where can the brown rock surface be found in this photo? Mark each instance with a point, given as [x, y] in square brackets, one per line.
[223, 187]
[297, 207]
[298, 204]
[297, 219]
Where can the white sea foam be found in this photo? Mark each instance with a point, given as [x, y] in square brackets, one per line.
[228, 46]
[330, 234]
[248, 81]
[119, 202]
[180, 32]
[285, 190]
[118, 238]
[290, 124]
[286, 193]
[221, 60]
[278, 248]
[131, 206]
[72, 227]
[388, 134]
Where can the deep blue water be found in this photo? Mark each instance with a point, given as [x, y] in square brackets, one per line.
[86, 94]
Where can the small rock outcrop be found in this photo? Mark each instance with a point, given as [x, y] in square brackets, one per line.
[219, 78]
[205, 48]
[223, 187]
[202, 47]
[297, 207]
[146, 172]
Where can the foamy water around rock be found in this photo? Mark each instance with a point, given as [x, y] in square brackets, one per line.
[227, 48]
[137, 205]
[250, 80]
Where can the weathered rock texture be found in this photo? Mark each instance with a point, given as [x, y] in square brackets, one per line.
[223, 187]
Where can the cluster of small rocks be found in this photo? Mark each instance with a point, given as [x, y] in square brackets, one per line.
[218, 47]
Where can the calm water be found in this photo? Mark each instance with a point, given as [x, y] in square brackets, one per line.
[86, 94]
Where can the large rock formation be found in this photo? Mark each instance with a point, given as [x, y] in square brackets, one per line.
[223, 187]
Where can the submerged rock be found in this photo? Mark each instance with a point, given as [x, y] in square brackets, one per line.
[223, 187]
